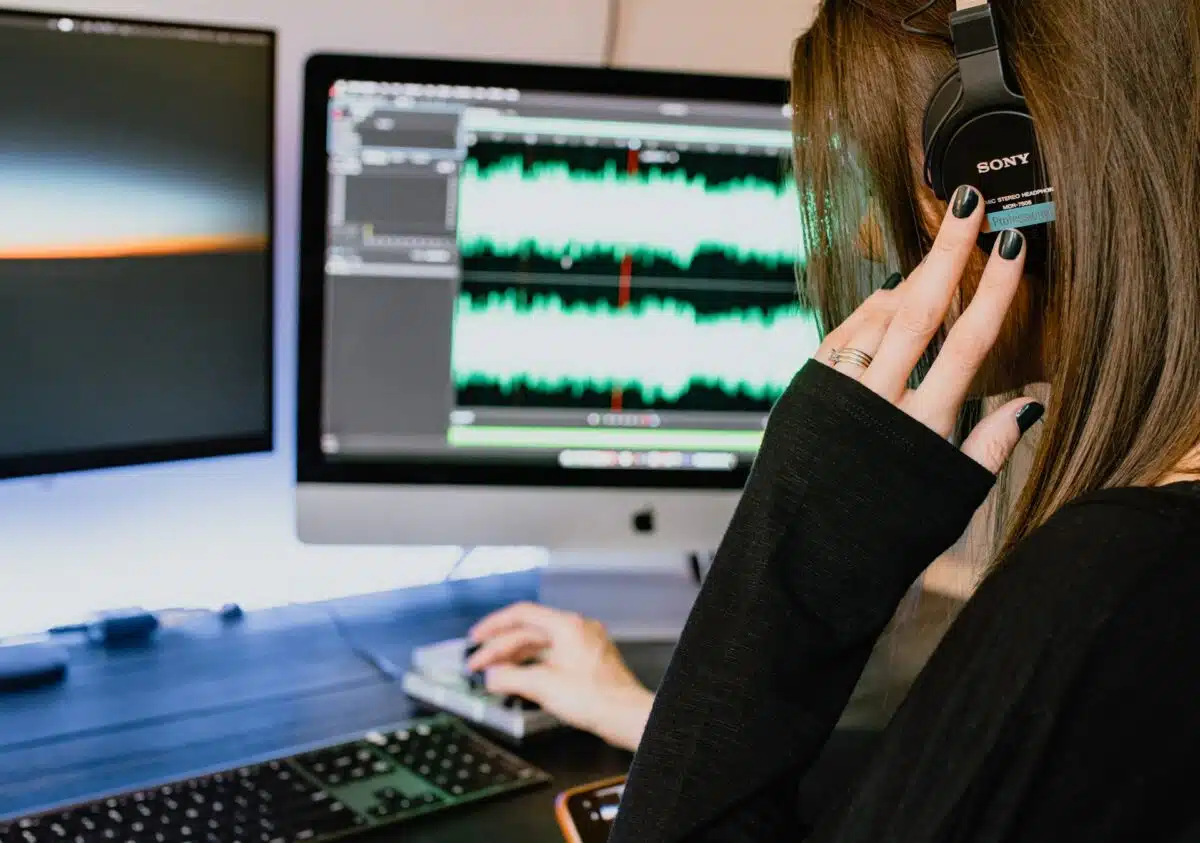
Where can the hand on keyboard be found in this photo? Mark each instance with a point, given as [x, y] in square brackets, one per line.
[577, 674]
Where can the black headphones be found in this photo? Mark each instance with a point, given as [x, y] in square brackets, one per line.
[978, 131]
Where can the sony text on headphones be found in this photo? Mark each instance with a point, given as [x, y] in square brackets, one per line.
[978, 131]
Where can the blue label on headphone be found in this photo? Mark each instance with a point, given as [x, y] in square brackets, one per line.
[1022, 217]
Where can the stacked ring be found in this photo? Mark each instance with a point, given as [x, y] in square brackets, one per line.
[850, 355]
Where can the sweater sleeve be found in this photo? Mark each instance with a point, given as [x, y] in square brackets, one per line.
[848, 501]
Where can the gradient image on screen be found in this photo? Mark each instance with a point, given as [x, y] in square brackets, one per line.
[134, 239]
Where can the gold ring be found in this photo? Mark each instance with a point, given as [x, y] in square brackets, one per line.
[850, 355]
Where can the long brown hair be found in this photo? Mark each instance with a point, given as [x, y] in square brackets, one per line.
[1114, 90]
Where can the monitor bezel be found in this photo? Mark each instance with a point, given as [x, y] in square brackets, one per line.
[90, 459]
[322, 71]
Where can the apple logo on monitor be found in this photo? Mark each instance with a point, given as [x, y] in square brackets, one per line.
[643, 521]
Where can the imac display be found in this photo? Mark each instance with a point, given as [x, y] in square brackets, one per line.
[566, 297]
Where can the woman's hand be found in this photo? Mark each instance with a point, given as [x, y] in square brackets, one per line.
[893, 328]
[579, 676]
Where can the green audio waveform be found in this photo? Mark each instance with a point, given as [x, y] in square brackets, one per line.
[549, 211]
[659, 348]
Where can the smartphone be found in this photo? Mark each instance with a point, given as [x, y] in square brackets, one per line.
[586, 813]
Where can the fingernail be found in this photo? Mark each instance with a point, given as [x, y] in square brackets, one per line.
[1028, 416]
[1011, 243]
[893, 281]
[966, 200]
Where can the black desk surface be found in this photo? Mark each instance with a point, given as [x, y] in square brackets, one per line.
[206, 697]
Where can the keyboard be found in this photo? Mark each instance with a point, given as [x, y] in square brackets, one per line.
[319, 794]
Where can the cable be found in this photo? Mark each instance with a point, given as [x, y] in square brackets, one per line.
[906, 24]
[138, 626]
[381, 663]
[458, 563]
[699, 564]
[612, 29]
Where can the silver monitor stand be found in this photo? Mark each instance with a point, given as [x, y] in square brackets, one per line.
[638, 597]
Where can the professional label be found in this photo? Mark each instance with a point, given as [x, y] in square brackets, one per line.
[1022, 216]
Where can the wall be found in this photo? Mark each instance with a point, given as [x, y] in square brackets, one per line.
[208, 532]
[751, 37]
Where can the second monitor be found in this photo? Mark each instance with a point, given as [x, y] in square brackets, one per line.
[547, 306]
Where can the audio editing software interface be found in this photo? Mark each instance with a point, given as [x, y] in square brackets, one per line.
[547, 278]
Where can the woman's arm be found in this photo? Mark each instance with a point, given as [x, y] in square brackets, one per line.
[848, 501]
[856, 489]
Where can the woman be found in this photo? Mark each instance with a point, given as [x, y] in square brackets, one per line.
[1060, 705]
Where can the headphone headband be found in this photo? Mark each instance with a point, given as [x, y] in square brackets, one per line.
[978, 131]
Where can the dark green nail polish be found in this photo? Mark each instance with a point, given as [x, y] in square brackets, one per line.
[893, 281]
[1011, 243]
[966, 200]
[1029, 415]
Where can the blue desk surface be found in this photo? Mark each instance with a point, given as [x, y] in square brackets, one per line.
[206, 696]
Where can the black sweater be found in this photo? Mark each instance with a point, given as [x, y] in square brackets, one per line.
[1060, 706]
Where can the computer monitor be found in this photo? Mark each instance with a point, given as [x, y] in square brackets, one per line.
[136, 172]
[542, 306]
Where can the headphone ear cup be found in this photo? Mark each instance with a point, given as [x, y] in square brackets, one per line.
[934, 135]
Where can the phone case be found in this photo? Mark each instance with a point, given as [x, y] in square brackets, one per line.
[563, 815]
